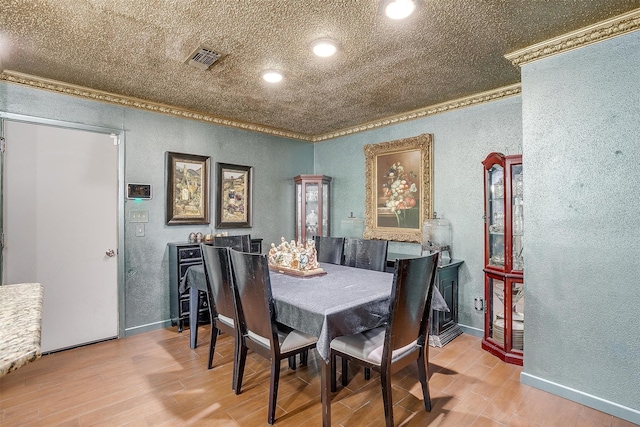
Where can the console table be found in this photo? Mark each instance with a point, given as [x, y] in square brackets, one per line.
[21, 320]
[444, 324]
[183, 255]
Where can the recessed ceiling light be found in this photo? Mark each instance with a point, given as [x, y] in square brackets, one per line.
[325, 47]
[400, 9]
[272, 76]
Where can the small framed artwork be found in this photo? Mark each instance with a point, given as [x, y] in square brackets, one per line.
[187, 189]
[398, 188]
[233, 196]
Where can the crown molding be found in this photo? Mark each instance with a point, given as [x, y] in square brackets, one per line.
[468, 101]
[604, 30]
[126, 101]
[111, 98]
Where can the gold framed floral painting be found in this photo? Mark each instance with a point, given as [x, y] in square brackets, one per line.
[398, 188]
[187, 189]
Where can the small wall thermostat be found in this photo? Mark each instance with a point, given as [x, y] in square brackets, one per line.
[138, 191]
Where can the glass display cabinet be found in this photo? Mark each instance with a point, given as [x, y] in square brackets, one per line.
[312, 206]
[504, 262]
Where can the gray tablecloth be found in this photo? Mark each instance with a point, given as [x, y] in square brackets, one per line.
[345, 301]
[194, 278]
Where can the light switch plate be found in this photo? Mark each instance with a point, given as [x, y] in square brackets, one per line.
[139, 230]
[139, 215]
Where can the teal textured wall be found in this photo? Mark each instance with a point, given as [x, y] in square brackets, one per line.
[581, 121]
[147, 137]
[462, 139]
[577, 125]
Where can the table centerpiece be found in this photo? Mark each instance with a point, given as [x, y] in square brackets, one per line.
[294, 258]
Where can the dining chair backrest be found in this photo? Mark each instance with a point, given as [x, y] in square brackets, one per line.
[222, 312]
[366, 254]
[257, 327]
[241, 242]
[402, 340]
[410, 304]
[218, 273]
[254, 303]
[329, 249]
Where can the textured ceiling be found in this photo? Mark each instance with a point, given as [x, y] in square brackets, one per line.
[137, 48]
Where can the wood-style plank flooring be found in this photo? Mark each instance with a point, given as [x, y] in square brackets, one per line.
[154, 379]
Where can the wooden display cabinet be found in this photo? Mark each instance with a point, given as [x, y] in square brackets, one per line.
[312, 206]
[504, 262]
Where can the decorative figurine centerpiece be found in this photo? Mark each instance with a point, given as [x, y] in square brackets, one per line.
[294, 258]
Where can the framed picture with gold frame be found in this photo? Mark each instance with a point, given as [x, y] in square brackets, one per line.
[187, 189]
[398, 188]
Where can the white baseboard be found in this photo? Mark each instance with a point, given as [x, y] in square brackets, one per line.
[147, 328]
[629, 414]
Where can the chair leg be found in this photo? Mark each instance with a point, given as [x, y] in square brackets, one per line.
[385, 381]
[424, 380]
[292, 362]
[212, 344]
[194, 303]
[236, 358]
[345, 371]
[304, 356]
[332, 368]
[367, 373]
[273, 390]
[242, 358]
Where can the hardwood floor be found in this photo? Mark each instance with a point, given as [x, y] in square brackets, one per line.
[154, 379]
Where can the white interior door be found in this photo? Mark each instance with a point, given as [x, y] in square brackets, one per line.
[60, 219]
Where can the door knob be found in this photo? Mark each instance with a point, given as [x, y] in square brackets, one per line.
[111, 253]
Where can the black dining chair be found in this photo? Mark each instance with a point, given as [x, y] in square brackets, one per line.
[369, 255]
[364, 253]
[404, 337]
[222, 311]
[329, 249]
[240, 242]
[257, 326]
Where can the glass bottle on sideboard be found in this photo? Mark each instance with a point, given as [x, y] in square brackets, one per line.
[312, 206]
[504, 262]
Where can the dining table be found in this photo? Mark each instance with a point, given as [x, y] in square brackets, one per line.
[344, 301]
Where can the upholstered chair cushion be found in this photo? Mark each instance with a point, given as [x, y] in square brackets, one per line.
[368, 346]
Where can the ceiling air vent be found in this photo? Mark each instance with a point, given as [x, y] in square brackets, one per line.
[203, 58]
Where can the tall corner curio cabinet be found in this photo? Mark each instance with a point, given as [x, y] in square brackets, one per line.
[503, 271]
[312, 206]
